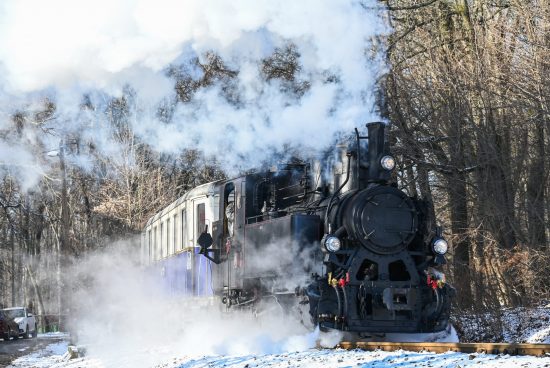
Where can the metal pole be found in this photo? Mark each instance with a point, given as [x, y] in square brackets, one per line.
[64, 233]
[12, 243]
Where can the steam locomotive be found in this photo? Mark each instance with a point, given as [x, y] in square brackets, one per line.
[336, 235]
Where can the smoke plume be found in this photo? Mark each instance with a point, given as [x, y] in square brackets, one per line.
[61, 50]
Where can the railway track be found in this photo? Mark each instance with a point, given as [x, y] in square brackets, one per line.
[443, 347]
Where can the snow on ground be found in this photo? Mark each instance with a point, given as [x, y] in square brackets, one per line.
[262, 351]
[358, 358]
[530, 325]
[47, 357]
[54, 356]
[524, 325]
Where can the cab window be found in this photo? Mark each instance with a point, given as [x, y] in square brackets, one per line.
[201, 218]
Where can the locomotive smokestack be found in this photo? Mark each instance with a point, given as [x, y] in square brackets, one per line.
[376, 151]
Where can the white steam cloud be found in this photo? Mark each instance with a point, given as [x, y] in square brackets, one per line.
[63, 49]
[64, 43]
[125, 318]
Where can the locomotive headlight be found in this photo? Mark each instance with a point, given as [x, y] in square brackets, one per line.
[387, 162]
[332, 244]
[440, 246]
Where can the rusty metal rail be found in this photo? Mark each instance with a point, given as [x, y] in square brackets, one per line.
[443, 347]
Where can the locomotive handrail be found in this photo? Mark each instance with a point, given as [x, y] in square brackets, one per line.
[339, 189]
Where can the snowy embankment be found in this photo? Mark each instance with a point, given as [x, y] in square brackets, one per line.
[522, 325]
[358, 358]
[54, 356]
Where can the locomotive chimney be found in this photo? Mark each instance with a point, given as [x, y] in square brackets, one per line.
[378, 171]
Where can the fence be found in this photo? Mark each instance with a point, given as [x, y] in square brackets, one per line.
[50, 322]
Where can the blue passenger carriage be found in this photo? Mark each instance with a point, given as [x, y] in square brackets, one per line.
[169, 243]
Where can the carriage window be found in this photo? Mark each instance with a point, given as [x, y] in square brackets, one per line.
[161, 239]
[216, 207]
[150, 244]
[155, 243]
[183, 230]
[175, 234]
[168, 234]
[201, 219]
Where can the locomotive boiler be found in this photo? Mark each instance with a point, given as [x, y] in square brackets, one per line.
[336, 235]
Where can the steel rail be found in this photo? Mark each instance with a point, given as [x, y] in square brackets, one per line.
[443, 347]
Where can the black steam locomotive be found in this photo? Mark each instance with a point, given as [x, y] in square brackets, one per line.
[337, 235]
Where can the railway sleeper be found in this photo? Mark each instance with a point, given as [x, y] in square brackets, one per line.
[486, 348]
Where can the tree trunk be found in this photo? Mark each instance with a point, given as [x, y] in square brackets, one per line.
[41, 310]
[536, 187]
[461, 241]
[12, 267]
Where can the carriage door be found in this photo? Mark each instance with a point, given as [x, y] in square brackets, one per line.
[202, 217]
